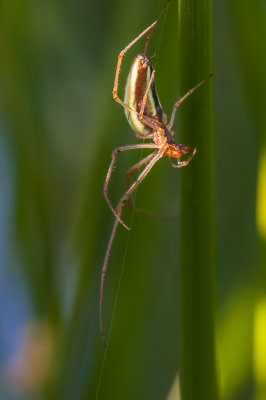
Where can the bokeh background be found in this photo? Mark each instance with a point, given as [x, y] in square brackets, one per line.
[58, 128]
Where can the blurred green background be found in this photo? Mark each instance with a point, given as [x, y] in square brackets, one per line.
[59, 125]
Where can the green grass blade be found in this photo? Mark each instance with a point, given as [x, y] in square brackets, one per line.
[198, 373]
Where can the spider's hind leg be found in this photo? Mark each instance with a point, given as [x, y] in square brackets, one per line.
[109, 174]
[138, 210]
[131, 171]
[151, 160]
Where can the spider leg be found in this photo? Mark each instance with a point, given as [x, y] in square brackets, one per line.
[118, 66]
[150, 32]
[159, 154]
[144, 137]
[124, 198]
[135, 167]
[149, 121]
[131, 171]
[122, 53]
[181, 164]
[144, 118]
[109, 173]
[144, 100]
[178, 103]
[130, 203]
[103, 274]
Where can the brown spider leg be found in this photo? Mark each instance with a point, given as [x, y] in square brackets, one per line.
[144, 118]
[130, 203]
[149, 35]
[177, 104]
[103, 273]
[129, 173]
[181, 164]
[122, 53]
[111, 166]
[144, 137]
[144, 100]
[107, 254]
[118, 66]
[159, 154]
[121, 202]
[152, 123]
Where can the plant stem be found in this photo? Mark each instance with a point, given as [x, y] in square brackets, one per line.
[198, 372]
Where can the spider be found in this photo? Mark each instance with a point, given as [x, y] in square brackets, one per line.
[145, 115]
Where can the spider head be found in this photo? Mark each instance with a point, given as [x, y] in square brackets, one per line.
[185, 150]
[176, 150]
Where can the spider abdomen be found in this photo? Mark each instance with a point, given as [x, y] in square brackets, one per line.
[137, 82]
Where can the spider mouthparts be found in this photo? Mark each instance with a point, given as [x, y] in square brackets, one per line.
[186, 150]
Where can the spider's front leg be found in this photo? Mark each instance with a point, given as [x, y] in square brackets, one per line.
[181, 164]
[180, 101]
[149, 30]
[118, 66]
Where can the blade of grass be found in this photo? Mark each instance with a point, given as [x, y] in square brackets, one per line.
[198, 372]
[248, 20]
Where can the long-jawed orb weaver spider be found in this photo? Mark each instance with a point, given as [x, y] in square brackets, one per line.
[146, 117]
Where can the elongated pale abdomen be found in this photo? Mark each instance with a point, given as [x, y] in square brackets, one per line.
[137, 81]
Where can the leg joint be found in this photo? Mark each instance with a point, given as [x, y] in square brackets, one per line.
[116, 151]
[123, 202]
